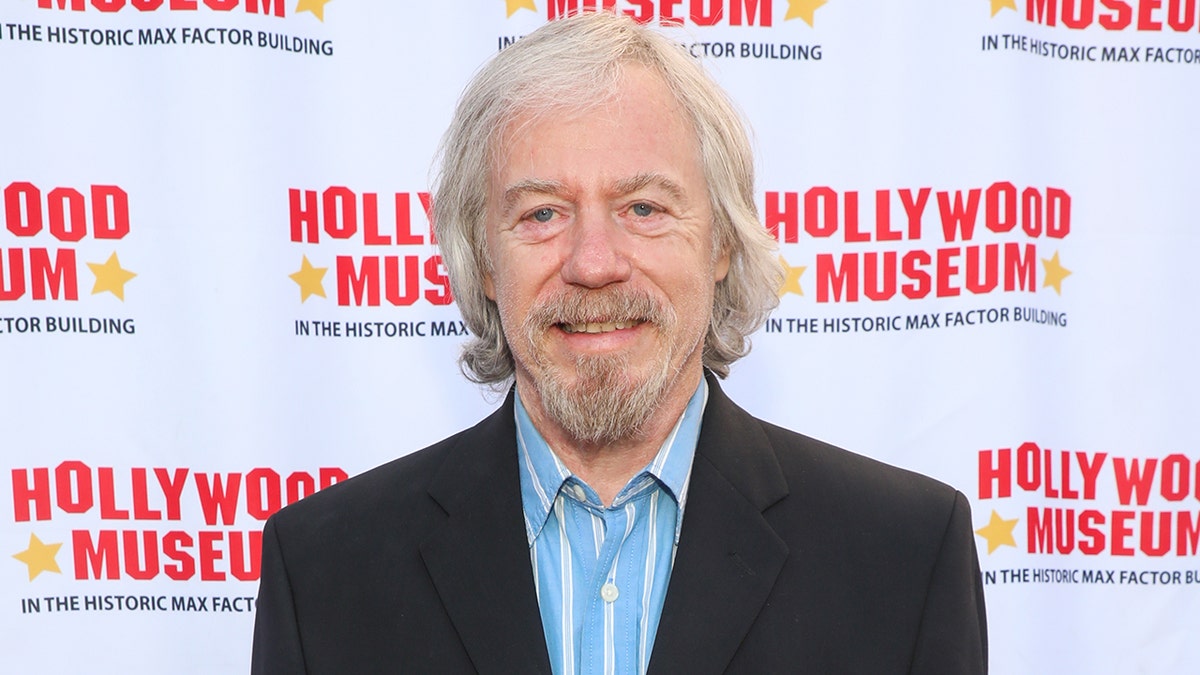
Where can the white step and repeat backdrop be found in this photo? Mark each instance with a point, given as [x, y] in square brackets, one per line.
[219, 293]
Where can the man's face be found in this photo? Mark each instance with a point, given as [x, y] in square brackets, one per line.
[601, 243]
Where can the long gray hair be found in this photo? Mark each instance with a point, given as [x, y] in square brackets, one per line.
[576, 63]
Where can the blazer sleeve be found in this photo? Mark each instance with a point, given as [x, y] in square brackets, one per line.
[277, 647]
[953, 631]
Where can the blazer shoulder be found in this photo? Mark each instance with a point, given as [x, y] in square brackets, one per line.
[393, 486]
[821, 470]
[406, 485]
[773, 465]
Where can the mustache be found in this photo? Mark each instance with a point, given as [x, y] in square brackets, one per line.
[601, 305]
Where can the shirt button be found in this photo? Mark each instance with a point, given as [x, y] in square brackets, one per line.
[579, 493]
[609, 592]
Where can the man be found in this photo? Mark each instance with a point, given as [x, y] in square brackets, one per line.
[618, 514]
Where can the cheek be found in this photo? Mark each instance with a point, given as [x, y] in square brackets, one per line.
[513, 299]
[703, 290]
[526, 272]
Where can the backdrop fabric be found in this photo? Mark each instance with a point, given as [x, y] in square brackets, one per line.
[219, 291]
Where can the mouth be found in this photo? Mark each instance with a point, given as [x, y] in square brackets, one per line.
[598, 327]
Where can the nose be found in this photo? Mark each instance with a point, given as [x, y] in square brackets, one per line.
[598, 253]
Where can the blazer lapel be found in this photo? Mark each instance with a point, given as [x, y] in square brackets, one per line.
[479, 557]
[728, 556]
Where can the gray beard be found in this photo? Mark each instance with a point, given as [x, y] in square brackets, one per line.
[603, 404]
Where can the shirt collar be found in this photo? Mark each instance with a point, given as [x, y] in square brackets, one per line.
[543, 474]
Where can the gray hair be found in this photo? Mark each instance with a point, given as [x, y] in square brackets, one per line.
[576, 63]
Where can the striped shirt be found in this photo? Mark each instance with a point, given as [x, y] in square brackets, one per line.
[601, 572]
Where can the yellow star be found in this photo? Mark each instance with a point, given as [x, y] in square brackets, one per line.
[317, 7]
[514, 5]
[803, 9]
[791, 278]
[39, 557]
[110, 277]
[998, 5]
[998, 532]
[1055, 273]
[309, 279]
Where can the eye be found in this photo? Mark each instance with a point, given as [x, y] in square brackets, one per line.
[642, 210]
[543, 215]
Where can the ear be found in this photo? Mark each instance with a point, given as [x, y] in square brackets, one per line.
[721, 268]
[489, 286]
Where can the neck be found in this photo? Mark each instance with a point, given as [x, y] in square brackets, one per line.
[607, 466]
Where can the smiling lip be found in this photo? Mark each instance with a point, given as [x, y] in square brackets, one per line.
[597, 327]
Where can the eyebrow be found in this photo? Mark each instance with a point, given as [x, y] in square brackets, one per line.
[641, 181]
[625, 186]
[514, 192]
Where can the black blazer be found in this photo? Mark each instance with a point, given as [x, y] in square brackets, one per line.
[794, 557]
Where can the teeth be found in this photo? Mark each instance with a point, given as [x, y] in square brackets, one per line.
[593, 327]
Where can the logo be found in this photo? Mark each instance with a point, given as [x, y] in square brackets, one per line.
[98, 525]
[908, 244]
[263, 7]
[1143, 18]
[1179, 16]
[1078, 505]
[138, 523]
[699, 14]
[369, 253]
[670, 13]
[191, 34]
[52, 242]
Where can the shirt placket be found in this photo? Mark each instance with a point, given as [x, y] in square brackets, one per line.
[604, 613]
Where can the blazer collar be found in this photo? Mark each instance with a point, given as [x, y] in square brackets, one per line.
[729, 556]
[478, 557]
[725, 567]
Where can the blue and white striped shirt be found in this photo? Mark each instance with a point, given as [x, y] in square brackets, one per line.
[601, 572]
